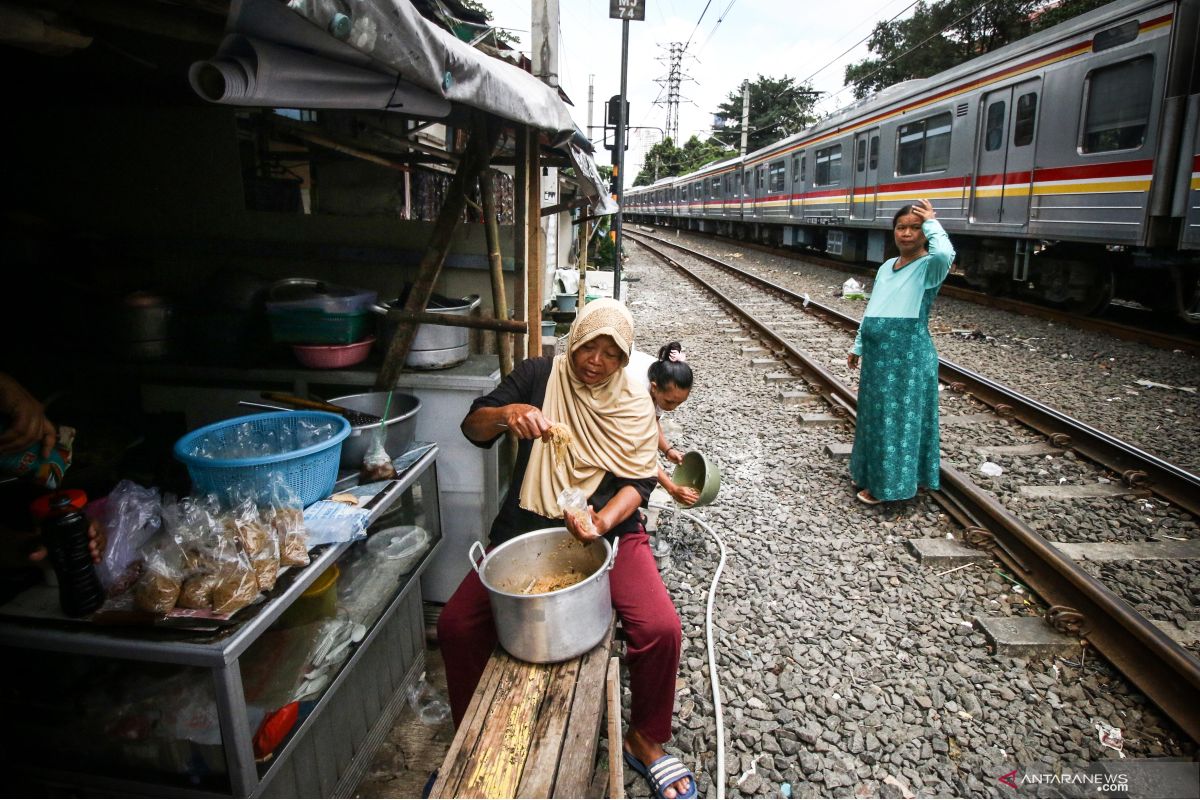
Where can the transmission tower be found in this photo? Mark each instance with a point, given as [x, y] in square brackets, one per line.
[670, 96]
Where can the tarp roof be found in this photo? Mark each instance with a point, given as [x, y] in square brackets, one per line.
[382, 55]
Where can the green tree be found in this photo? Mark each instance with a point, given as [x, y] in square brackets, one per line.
[481, 11]
[943, 34]
[779, 107]
[665, 159]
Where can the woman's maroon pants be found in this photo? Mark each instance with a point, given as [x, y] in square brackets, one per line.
[467, 635]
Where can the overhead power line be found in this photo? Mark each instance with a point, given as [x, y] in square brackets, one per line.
[856, 44]
[701, 19]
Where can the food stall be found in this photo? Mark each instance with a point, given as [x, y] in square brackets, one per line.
[240, 706]
[146, 256]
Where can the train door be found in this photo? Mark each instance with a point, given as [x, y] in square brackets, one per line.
[1004, 160]
[865, 182]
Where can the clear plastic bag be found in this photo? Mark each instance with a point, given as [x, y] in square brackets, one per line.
[258, 541]
[285, 515]
[158, 589]
[377, 464]
[853, 290]
[428, 703]
[131, 517]
[574, 504]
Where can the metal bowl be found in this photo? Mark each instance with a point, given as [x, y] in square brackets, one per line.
[401, 424]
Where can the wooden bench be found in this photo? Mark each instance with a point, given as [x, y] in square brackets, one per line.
[532, 730]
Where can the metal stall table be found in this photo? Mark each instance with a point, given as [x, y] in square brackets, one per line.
[158, 711]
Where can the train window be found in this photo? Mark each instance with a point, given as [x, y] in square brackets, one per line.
[1026, 116]
[1117, 106]
[993, 132]
[747, 182]
[860, 157]
[803, 168]
[716, 187]
[1111, 37]
[762, 178]
[924, 145]
[829, 166]
[778, 172]
[796, 176]
[874, 152]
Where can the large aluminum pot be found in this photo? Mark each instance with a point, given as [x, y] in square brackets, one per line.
[545, 628]
[401, 424]
[437, 346]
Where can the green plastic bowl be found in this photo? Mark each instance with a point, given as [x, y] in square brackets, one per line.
[697, 472]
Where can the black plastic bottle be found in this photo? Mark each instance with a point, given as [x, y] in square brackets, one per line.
[65, 534]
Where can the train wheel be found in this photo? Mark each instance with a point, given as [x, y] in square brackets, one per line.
[1096, 296]
[1179, 296]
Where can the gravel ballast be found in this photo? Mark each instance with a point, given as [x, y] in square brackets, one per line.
[849, 669]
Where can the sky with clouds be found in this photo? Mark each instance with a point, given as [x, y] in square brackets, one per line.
[754, 37]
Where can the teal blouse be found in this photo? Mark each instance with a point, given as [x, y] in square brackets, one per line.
[901, 292]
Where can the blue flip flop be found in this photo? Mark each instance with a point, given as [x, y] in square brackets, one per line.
[661, 773]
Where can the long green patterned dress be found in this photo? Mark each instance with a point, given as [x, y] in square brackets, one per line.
[896, 436]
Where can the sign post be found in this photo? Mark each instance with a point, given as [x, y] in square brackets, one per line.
[624, 10]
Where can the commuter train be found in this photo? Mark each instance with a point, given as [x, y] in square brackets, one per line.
[1066, 166]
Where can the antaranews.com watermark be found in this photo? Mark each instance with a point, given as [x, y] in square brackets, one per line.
[1127, 777]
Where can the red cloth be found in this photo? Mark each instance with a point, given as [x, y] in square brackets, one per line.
[467, 635]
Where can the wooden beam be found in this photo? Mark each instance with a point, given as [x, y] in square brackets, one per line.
[491, 227]
[475, 160]
[583, 731]
[567, 206]
[545, 749]
[616, 740]
[302, 131]
[458, 321]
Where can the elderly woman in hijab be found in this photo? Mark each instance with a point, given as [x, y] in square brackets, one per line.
[611, 458]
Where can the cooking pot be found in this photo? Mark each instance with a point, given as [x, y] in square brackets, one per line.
[559, 625]
[401, 424]
[143, 326]
[435, 346]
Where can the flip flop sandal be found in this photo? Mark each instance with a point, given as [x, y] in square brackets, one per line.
[863, 497]
[661, 773]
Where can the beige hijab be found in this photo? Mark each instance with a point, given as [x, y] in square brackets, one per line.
[611, 424]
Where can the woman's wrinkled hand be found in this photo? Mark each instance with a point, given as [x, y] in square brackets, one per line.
[526, 421]
[26, 422]
[924, 210]
[852, 360]
[581, 531]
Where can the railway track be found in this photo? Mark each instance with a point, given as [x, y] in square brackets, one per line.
[1078, 603]
[1119, 330]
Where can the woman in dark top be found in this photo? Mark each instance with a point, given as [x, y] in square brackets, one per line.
[612, 459]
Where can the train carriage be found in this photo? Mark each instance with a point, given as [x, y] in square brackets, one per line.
[1065, 164]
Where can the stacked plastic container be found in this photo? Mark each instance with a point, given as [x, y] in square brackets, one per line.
[328, 326]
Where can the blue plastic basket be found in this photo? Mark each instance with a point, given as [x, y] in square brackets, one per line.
[310, 471]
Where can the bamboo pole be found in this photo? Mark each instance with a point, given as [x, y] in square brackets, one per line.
[533, 222]
[520, 235]
[581, 256]
[475, 160]
[491, 226]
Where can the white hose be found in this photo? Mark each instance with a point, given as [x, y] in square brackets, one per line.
[712, 658]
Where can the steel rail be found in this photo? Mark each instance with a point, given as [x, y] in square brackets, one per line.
[1136, 467]
[1166, 673]
[1119, 330]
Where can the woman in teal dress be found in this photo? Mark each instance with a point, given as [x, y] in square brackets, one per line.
[896, 434]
